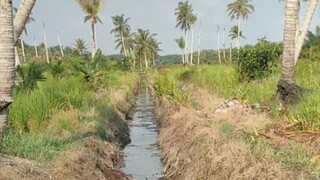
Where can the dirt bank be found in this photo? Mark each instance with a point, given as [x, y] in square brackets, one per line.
[198, 144]
[90, 157]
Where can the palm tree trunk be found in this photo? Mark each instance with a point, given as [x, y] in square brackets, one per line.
[186, 58]
[46, 43]
[304, 28]
[182, 53]
[22, 16]
[218, 33]
[230, 50]
[191, 50]
[223, 44]
[238, 40]
[93, 40]
[7, 61]
[22, 48]
[61, 50]
[145, 60]
[286, 85]
[123, 45]
[17, 59]
[199, 43]
[153, 60]
[35, 47]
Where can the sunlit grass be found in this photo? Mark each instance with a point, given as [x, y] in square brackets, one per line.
[222, 80]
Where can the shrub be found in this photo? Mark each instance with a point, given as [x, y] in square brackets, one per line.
[167, 86]
[29, 75]
[258, 61]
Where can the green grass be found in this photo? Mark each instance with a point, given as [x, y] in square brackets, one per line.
[39, 147]
[32, 109]
[60, 111]
[223, 80]
[167, 86]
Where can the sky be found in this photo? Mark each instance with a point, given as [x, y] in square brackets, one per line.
[158, 16]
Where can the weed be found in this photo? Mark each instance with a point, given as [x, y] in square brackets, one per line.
[31, 110]
[225, 127]
[167, 86]
[37, 147]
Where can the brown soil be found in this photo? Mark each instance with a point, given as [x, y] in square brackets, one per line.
[92, 159]
[198, 144]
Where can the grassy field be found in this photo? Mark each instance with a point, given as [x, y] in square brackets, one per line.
[222, 80]
[61, 111]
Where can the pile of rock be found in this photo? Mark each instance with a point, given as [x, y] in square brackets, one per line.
[235, 105]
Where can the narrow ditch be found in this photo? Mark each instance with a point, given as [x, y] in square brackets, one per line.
[142, 157]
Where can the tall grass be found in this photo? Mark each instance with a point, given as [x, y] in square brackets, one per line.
[166, 86]
[39, 147]
[31, 110]
[223, 80]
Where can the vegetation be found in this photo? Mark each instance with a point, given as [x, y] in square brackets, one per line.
[237, 10]
[57, 105]
[185, 19]
[92, 8]
[258, 61]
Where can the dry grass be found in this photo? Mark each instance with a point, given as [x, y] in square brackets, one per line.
[93, 159]
[198, 144]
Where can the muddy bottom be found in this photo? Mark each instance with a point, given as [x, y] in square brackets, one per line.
[142, 157]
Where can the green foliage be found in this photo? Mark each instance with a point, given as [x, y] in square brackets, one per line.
[167, 86]
[112, 78]
[308, 110]
[295, 156]
[109, 125]
[37, 147]
[258, 61]
[91, 70]
[58, 69]
[31, 110]
[29, 75]
[310, 48]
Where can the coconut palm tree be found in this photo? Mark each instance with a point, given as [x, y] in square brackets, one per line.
[181, 43]
[237, 10]
[199, 42]
[304, 28]
[30, 19]
[126, 43]
[92, 8]
[287, 87]
[9, 31]
[121, 30]
[155, 48]
[185, 19]
[143, 47]
[22, 17]
[81, 46]
[233, 33]
[7, 68]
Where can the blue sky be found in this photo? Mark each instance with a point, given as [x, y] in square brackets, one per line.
[157, 16]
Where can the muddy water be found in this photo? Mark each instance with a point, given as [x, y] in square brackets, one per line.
[141, 156]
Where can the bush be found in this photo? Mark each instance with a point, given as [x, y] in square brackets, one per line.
[29, 75]
[167, 86]
[258, 61]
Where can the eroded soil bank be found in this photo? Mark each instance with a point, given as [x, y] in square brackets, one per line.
[199, 144]
[91, 157]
